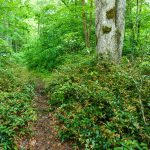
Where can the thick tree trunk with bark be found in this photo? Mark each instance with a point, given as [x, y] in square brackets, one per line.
[110, 24]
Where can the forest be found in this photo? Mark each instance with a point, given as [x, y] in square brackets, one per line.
[74, 74]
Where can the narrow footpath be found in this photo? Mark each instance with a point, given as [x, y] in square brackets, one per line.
[45, 135]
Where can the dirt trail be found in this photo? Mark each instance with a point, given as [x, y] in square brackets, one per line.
[45, 136]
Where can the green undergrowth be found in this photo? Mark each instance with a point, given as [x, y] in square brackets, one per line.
[16, 100]
[100, 105]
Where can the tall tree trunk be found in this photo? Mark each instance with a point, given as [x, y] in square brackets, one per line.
[90, 24]
[138, 21]
[38, 25]
[84, 23]
[87, 25]
[110, 24]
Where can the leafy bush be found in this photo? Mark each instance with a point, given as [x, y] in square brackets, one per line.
[72, 42]
[137, 42]
[38, 58]
[102, 106]
[5, 53]
[16, 113]
[16, 109]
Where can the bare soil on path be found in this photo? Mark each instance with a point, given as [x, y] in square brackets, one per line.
[45, 135]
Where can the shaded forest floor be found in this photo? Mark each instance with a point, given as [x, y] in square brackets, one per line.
[82, 93]
[44, 133]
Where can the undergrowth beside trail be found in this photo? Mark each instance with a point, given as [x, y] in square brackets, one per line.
[16, 100]
[99, 105]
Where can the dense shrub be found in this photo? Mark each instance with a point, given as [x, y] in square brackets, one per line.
[137, 32]
[36, 57]
[16, 113]
[16, 94]
[5, 53]
[102, 106]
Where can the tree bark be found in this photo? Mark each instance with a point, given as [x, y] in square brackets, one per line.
[87, 24]
[138, 19]
[84, 23]
[90, 24]
[110, 24]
